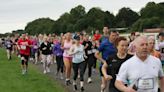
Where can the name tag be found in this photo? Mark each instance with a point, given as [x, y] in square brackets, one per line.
[89, 52]
[146, 83]
[23, 47]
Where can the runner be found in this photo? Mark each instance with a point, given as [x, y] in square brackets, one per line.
[107, 48]
[160, 46]
[35, 50]
[58, 52]
[24, 46]
[9, 47]
[151, 47]
[89, 62]
[111, 67]
[141, 72]
[77, 51]
[46, 50]
[67, 43]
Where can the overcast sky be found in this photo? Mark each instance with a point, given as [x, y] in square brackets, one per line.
[15, 14]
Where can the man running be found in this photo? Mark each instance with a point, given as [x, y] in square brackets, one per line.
[141, 72]
[24, 46]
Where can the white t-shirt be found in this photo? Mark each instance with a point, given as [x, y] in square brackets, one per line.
[143, 74]
[78, 55]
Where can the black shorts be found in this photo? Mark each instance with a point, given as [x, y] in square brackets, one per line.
[24, 62]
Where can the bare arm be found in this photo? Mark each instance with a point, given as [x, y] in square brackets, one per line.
[120, 86]
[97, 55]
[104, 71]
[162, 84]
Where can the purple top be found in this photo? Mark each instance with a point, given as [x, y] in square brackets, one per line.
[57, 49]
[35, 45]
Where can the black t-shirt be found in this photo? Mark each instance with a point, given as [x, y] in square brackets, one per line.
[89, 48]
[114, 64]
[48, 49]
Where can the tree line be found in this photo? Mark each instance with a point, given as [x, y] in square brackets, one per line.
[77, 19]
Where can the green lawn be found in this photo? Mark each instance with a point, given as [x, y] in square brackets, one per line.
[11, 79]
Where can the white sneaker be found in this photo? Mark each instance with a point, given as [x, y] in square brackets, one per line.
[23, 72]
[89, 80]
[54, 61]
[61, 76]
[48, 70]
[44, 71]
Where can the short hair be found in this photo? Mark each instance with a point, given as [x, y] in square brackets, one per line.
[137, 40]
[114, 31]
[121, 38]
[151, 38]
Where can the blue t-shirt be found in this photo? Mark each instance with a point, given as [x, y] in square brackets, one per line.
[107, 49]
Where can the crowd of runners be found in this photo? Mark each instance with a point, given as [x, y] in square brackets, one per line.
[84, 54]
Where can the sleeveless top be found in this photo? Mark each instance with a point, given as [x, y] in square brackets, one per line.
[67, 46]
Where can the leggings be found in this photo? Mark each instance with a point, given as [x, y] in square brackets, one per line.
[76, 67]
[90, 63]
[60, 63]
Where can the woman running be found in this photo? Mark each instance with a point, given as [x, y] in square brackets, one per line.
[67, 43]
[151, 47]
[58, 52]
[77, 51]
[46, 50]
[113, 63]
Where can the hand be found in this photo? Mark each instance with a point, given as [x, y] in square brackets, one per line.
[108, 77]
[87, 44]
[129, 89]
[85, 57]
[44, 48]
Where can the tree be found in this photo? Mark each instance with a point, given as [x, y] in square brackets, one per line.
[126, 17]
[41, 25]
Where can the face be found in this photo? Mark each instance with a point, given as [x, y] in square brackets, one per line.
[142, 47]
[23, 36]
[151, 44]
[97, 31]
[122, 46]
[161, 38]
[86, 37]
[113, 36]
[68, 36]
[45, 39]
[105, 30]
[77, 41]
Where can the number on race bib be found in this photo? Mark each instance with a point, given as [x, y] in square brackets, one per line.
[23, 47]
[146, 84]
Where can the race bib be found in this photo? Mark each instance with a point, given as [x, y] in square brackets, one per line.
[52, 45]
[35, 47]
[8, 46]
[23, 47]
[80, 57]
[146, 84]
[89, 52]
[94, 50]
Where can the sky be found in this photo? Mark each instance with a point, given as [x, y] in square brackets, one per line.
[15, 14]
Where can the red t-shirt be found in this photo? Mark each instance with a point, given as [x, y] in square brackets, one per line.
[97, 36]
[24, 46]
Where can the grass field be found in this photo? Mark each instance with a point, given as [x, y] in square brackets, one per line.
[11, 79]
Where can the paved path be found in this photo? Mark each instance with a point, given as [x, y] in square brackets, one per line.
[92, 87]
